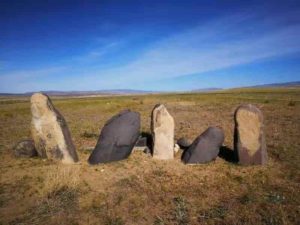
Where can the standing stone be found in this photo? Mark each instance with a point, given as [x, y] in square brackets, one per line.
[162, 128]
[117, 138]
[249, 137]
[205, 147]
[50, 132]
[25, 149]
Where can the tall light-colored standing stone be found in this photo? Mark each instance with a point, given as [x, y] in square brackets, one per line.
[162, 128]
[249, 137]
[50, 131]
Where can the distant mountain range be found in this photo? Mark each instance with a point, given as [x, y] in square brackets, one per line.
[138, 92]
[287, 84]
[84, 93]
[273, 85]
[207, 89]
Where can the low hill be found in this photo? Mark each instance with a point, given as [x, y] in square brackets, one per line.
[141, 92]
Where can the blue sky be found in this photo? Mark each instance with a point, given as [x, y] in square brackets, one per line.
[147, 45]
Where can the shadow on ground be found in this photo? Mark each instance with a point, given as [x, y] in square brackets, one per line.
[228, 154]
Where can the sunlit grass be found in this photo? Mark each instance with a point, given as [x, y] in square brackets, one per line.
[141, 190]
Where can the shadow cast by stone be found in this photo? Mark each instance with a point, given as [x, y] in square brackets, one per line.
[228, 154]
[149, 143]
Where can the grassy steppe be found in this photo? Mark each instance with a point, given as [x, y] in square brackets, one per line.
[141, 190]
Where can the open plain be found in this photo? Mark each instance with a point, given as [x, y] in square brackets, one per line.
[142, 190]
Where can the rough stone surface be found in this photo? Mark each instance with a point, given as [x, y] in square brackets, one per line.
[139, 148]
[205, 147]
[249, 137]
[141, 142]
[117, 138]
[176, 148]
[25, 149]
[162, 128]
[184, 143]
[50, 132]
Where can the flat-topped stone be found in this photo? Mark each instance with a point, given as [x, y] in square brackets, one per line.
[141, 142]
[162, 128]
[249, 137]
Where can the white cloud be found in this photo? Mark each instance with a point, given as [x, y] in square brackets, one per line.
[96, 54]
[214, 46]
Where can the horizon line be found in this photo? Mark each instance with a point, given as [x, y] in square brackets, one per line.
[266, 85]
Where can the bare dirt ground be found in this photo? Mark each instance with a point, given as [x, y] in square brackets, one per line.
[141, 190]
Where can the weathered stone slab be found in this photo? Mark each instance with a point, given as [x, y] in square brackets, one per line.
[25, 148]
[249, 137]
[205, 147]
[141, 142]
[162, 128]
[184, 143]
[117, 138]
[50, 132]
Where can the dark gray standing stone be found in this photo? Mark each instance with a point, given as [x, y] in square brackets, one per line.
[249, 137]
[184, 143]
[117, 138]
[25, 149]
[205, 147]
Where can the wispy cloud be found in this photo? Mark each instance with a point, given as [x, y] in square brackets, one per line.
[221, 44]
[97, 53]
[216, 45]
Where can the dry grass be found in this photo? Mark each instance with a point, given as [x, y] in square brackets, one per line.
[61, 177]
[141, 190]
[57, 201]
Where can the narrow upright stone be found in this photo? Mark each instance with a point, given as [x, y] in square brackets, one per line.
[249, 137]
[50, 132]
[162, 128]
